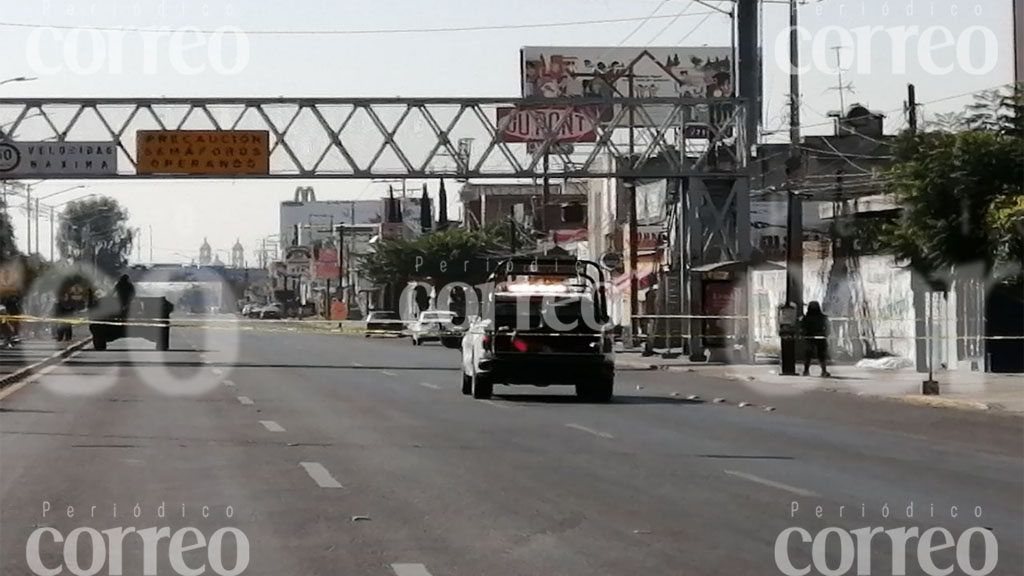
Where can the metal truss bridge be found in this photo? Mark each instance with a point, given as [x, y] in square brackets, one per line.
[458, 138]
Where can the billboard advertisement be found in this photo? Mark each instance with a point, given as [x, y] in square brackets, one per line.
[203, 152]
[57, 159]
[574, 123]
[604, 72]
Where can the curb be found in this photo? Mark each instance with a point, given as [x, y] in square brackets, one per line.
[930, 401]
[54, 358]
[940, 402]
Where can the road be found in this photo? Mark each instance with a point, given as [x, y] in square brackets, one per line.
[348, 456]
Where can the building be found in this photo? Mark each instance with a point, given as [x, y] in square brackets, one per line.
[305, 219]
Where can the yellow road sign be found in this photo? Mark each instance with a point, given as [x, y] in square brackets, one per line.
[203, 152]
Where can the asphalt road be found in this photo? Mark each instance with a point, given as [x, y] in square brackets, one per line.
[339, 455]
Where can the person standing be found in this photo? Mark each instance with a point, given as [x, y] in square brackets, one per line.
[814, 329]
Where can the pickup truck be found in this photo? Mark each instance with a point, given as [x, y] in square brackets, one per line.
[545, 323]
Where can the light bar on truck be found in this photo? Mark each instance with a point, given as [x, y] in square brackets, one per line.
[537, 288]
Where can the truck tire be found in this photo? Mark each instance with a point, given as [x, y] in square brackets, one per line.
[482, 387]
[600, 390]
[467, 385]
[99, 343]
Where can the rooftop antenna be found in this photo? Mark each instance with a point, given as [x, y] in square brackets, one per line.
[840, 87]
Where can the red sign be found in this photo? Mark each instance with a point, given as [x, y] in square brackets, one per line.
[574, 124]
[327, 264]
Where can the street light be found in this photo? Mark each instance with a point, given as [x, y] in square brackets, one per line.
[79, 187]
[53, 218]
[28, 191]
[17, 79]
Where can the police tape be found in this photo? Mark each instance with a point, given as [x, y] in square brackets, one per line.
[399, 327]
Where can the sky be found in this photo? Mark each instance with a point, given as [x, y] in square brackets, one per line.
[38, 40]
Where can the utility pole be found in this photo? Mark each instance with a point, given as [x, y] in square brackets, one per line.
[37, 224]
[912, 108]
[634, 284]
[794, 212]
[342, 263]
[511, 229]
[53, 223]
[28, 219]
[545, 196]
[918, 286]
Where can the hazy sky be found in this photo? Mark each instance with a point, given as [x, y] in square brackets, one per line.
[470, 63]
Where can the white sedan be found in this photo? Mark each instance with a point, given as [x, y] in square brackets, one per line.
[431, 325]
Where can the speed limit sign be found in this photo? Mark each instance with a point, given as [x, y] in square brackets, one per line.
[10, 157]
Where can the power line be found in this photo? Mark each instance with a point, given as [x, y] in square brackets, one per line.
[900, 108]
[369, 32]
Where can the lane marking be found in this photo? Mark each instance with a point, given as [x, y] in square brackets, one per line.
[272, 426]
[773, 484]
[589, 430]
[429, 385]
[320, 475]
[388, 373]
[217, 371]
[358, 364]
[245, 400]
[410, 570]
[495, 404]
[229, 383]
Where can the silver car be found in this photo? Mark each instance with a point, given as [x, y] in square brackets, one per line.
[432, 325]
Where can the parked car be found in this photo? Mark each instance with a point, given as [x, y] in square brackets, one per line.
[432, 325]
[271, 312]
[384, 323]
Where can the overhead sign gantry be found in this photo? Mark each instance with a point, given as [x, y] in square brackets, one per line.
[361, 138]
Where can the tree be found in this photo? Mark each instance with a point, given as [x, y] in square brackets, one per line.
[440, 256]
[8, 246]
[960, 190]
[96, 231]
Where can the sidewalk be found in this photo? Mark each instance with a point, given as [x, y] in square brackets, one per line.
[33, 352]
[958, 389]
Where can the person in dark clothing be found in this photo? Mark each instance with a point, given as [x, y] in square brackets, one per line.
[814, 328]
[125, 291]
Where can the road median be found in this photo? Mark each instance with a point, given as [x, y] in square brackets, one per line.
[34, 367]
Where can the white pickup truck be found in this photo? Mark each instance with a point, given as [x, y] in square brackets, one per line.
[546, 326]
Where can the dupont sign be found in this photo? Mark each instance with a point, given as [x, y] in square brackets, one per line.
[57, 159]
[570, 124]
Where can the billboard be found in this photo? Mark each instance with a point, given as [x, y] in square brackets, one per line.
[203, 152]
[327, 264]
[574, 123]
[604, 72]
[57, 159]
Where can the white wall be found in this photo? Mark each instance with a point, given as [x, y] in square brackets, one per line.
[887, 294]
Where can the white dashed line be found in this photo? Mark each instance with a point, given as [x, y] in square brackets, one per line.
[410, 570]
[357, 364]
[272, 426]
[773, 484]
[429, 385]
[245, 400]
[495, 404]
[229, 383]
[320, 475]
[589, 430]
[388, 373]
[217, 371]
